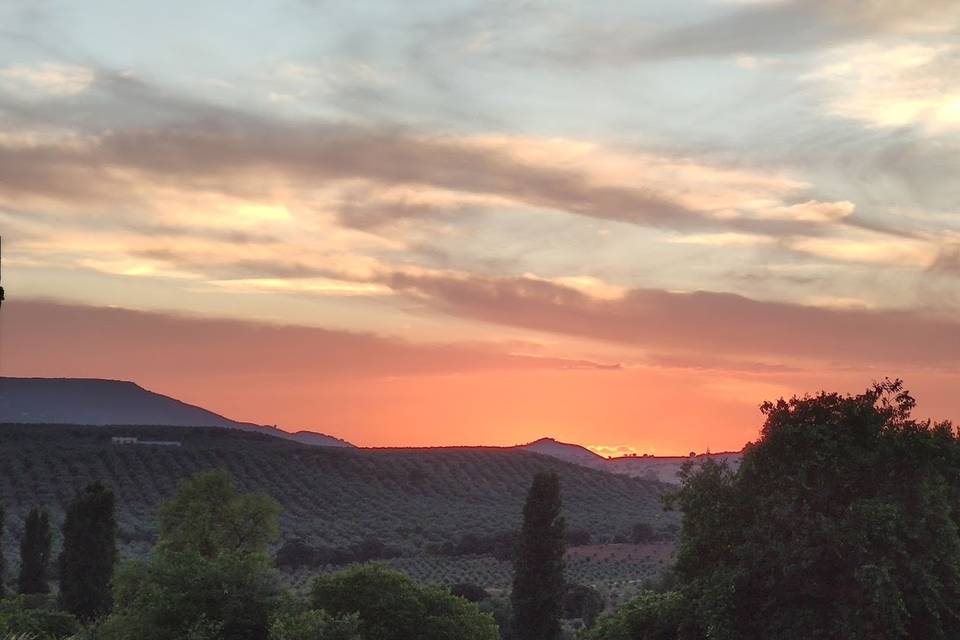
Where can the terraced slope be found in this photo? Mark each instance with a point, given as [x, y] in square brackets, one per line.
[408, 498]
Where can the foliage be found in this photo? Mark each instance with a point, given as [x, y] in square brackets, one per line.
[3, 589]
[209, 578]
[842, 522]
[332, 499]
[643, 533]
[207, 516]
[651, 616]
[538, 566]
[35, 553]
[315, 625]
[502, 612]
[577, 537]
[469, 592]
[500, 545]
[36, 623]
[183, 594]
[392, 607]
[581, 602]
[89, 552]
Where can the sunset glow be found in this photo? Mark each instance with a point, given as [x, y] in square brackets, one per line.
[484, 223]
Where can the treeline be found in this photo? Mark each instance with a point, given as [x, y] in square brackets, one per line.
[842, 522]
[503, 545]
[330, 498]
[298, 553]
[84, 568]
[211, 577]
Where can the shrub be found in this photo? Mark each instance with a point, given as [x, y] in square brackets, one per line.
[16, 617]
[391, 606]
[315, 625]
[651, 616]
[469, 592]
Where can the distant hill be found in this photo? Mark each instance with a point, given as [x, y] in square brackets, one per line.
[412, 499]
[657, 468]
[569, 452]
[115, 402]
[665, 468]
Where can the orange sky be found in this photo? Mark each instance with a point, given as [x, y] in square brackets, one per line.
[377, 391]
[619, 224]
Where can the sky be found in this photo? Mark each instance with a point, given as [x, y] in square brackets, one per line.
[624, 225]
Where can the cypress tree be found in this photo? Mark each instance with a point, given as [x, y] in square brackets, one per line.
[538, 564]
[2, 589]
[35, 553]
[89, 552]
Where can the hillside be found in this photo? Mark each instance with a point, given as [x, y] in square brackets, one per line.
[331, 497]
[666, 468]
[657, 468]
[116, 402]
[564, 451]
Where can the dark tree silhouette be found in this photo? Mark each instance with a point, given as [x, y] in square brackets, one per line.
[841, 522]
[582, 601]
[89, 552]
[2, 567]
[35, 553]
[538, 584]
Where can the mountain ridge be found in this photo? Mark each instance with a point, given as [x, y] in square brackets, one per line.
[108, 402]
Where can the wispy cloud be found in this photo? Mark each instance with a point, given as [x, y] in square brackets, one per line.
[162, 344]
[699, 322]
[910, 84]
[49, 79]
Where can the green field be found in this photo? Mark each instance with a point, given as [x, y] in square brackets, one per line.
[411, 499]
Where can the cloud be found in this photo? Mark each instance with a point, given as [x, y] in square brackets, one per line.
[724, 325]
[884, 86]
[42, 337]
[947, 260]
[870, 249]
[48, 79]
[751, 29]
[269, 168]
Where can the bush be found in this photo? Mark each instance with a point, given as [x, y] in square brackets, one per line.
[392, 607]
[179, 594]
[315, 625]
[643, 533]
[469, 592]
[651, 616]
[294, 554]
[16, 618]
[499, 545]
[577, 537]
[581, 602]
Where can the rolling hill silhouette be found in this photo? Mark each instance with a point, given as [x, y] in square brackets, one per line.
[98, 402]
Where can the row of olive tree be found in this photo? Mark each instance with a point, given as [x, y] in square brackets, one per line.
[210, 578]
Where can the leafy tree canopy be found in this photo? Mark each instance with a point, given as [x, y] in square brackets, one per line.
[186, 595]
[391, 606]
[209, 578]
[18, 620]
[315, 625]
[841, 522]
[207, 515]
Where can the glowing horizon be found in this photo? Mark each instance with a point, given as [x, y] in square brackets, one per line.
[475, 223]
